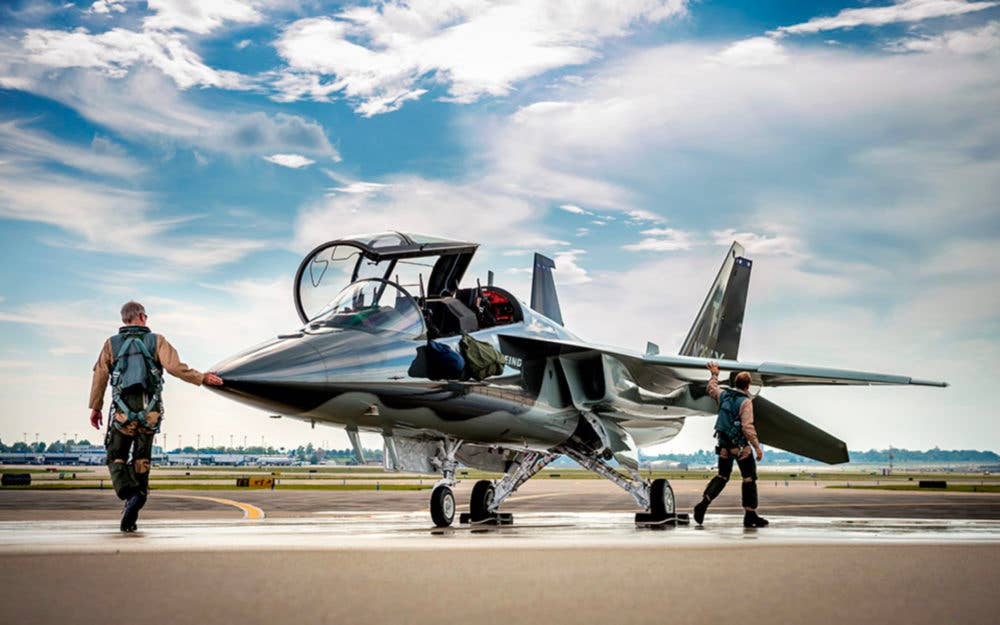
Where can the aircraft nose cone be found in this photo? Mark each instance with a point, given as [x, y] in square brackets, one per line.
[276, 361]
[284, 375]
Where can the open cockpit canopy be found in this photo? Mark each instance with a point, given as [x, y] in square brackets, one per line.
[418, 263]
[371, 305]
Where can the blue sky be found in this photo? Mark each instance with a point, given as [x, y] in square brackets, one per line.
[188, 154]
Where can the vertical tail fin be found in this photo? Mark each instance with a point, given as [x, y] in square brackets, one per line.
[543, 289]
[717, 328]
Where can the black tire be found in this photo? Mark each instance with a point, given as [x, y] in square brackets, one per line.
[482, 497]
[442, 506]
[661, 499]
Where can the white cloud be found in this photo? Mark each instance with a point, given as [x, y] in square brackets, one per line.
[637, 215]
[674, 136]
[96, 214]
[379, 56]
[568, 270]
[292, 161]
[901, 11]
[753, 52]
[662, 240]
[200, 17]
[576, 210]
[466, 212]
[761, 244]
[103, 157]
[118, 49]
[106, 7]
[360, 187]
[980, 40]
[146, 105]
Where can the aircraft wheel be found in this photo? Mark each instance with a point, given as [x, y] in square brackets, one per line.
[661, 498]
[482, 497]
[442, 506]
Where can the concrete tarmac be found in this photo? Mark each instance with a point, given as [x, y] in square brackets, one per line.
[797, 498]
[573, 556]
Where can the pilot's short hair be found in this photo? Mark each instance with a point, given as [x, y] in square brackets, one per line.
[742, 380]
[131, 310]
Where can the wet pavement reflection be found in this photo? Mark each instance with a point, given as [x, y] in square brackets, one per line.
[412, 530]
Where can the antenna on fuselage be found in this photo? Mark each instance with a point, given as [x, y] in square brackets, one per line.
[489, 278]
[420, 277]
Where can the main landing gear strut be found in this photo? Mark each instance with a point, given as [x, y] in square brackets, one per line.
[656, 497]
[487, 496]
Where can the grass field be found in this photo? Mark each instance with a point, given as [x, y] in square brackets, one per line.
[348, 474]
[64, 485]
[46, 471]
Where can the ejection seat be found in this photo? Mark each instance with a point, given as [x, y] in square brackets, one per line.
[450, 317]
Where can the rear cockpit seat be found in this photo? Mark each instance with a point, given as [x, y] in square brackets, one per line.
[450, 317]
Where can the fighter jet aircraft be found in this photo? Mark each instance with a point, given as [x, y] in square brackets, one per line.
[372, 304]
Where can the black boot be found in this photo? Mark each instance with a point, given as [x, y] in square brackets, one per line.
[750, 519]
[699, 511]
[130, 514]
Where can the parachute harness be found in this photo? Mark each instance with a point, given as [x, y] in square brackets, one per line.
[154, 381]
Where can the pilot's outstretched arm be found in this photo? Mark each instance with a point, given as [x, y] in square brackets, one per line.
[171, 362]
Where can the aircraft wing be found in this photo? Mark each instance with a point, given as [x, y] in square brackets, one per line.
[663, 374]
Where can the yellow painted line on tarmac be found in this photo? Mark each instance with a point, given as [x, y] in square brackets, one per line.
[250, 512]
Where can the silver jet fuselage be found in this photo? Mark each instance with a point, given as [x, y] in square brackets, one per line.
[366, 379]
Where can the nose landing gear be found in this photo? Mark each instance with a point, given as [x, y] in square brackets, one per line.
[442, 497]
[442, 505]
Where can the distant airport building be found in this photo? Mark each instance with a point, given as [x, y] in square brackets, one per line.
[96, 455]
[667, 465]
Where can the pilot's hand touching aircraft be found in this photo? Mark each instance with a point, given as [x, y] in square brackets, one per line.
[212, 379]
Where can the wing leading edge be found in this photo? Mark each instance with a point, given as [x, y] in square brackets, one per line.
[664, 373]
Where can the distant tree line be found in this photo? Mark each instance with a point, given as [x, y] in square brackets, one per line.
[872, 456]
[41, 447]
[312, 454]
[304, 453]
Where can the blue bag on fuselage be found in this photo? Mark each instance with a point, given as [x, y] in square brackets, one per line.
[443, 363]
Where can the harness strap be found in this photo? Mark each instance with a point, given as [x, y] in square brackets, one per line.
[153, 372]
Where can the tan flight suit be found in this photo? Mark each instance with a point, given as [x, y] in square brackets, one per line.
[124, 436]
